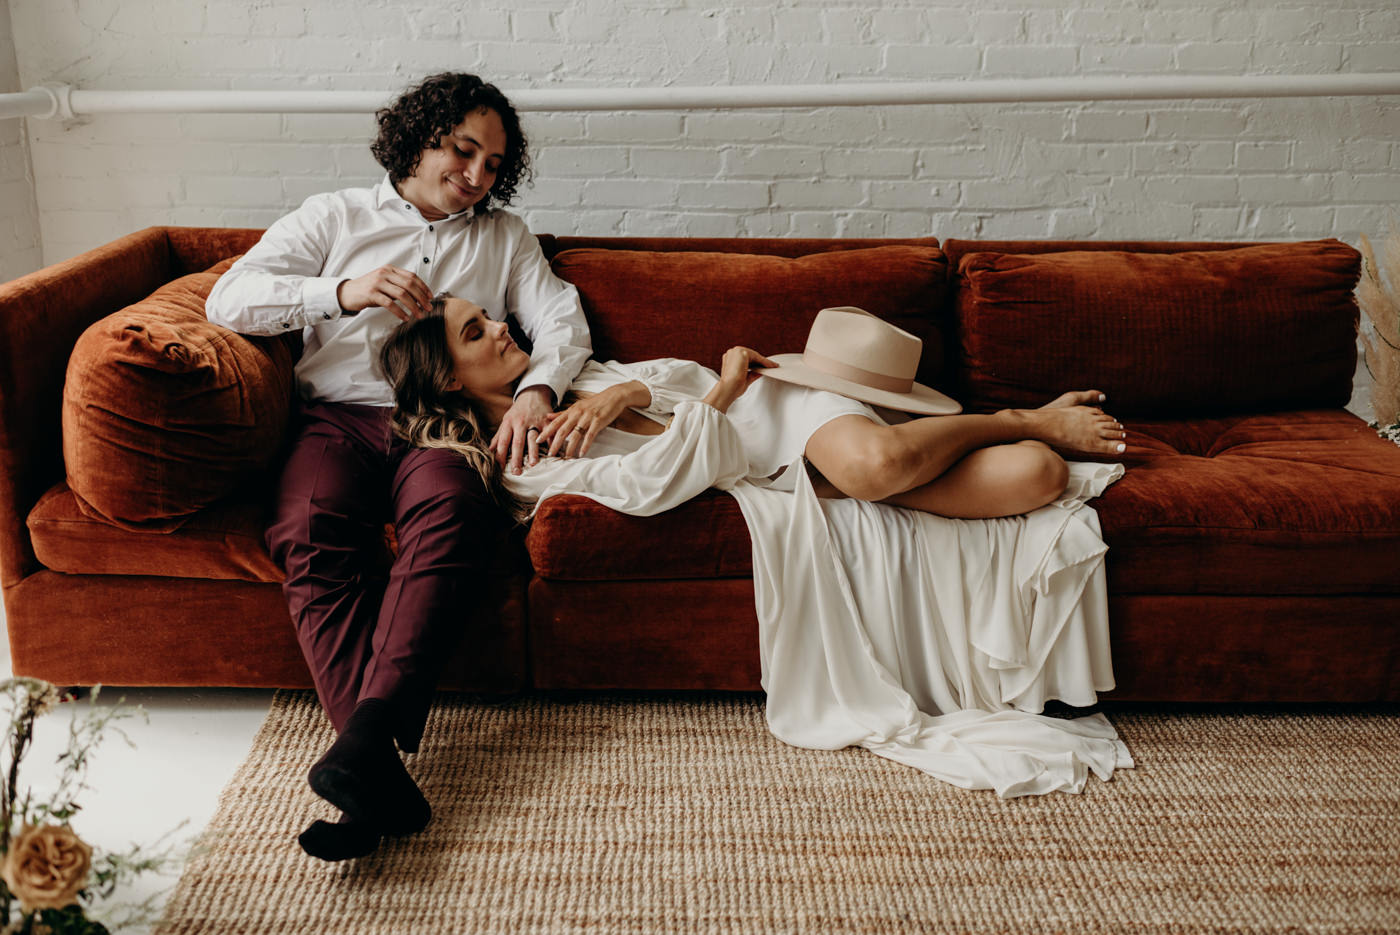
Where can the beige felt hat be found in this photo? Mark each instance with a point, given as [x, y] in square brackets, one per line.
[852, 352]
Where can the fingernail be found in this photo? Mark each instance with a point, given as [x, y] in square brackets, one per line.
[1102, 397]
[1122, 448]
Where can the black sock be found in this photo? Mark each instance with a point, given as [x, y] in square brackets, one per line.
[342, 840]
[362, 775]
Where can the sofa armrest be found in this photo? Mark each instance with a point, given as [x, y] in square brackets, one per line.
[195, 249]
[41, 317]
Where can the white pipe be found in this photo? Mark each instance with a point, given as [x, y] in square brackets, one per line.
[955, 92]
[36, 102]
[41, 102]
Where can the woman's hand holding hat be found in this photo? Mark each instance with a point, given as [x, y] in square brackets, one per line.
[854, 353]
[740, 367]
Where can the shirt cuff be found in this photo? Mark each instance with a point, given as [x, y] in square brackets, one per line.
[541, 379]
[318, 298]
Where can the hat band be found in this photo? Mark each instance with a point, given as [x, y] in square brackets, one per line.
[878, 381]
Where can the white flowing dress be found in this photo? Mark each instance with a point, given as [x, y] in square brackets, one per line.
[934, 642]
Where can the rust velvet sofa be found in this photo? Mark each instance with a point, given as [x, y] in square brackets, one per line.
[1254, 541]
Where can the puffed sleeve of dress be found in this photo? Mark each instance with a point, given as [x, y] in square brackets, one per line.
[670, 381]
[700, 450]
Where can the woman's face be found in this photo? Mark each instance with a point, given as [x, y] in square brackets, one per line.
[486, 360]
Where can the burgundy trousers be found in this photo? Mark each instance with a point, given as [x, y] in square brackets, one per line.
[364, 635]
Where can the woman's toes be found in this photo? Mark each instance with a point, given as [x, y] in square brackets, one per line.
[1076, 398]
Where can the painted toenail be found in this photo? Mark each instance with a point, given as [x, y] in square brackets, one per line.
[1122, 447]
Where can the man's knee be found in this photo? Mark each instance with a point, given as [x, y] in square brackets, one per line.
[309, 540]
[326, 495]
[445, 501]
[441, 482]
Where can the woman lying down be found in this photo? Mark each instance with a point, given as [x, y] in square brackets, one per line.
[933, 634]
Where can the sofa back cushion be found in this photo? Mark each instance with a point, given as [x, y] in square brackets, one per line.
[696, 305]
[165, 413]
[1257, 328]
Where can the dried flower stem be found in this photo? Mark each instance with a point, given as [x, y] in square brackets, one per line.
[1378, 294]
[27, 868]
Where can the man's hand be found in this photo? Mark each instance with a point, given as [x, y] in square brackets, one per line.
[570, 433]
[515, 441]
[739, 368]
[398, 290]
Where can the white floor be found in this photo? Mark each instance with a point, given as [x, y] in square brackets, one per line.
[180, 759]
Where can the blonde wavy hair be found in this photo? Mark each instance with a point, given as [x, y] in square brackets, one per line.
[418, 365]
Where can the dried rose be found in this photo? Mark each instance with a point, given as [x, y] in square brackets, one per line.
[46, 867]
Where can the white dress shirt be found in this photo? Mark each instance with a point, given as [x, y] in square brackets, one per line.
[289, 280]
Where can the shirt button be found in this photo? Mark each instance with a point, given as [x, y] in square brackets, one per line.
[425, 259]
[430, 227]
[286, 324]
[326, 315]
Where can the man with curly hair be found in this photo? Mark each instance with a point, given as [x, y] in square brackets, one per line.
[344, 269]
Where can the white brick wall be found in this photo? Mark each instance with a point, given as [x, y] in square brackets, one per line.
[20, 250]
[1172, 170]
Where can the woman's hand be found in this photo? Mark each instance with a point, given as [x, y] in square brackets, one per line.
[398, 290]
[738, 369]
[569, 434]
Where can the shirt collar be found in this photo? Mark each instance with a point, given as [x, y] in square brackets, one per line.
[386, 195]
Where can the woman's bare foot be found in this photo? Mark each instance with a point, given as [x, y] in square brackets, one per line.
[1076, 398]
[1074, 427]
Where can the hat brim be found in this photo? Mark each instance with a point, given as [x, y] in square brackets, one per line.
[920, 399]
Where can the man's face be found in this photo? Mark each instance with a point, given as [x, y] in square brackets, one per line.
[461, 170]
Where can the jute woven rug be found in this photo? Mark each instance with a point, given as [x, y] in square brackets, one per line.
[683, 814]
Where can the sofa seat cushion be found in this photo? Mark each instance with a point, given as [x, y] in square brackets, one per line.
[1255, 329]
[224, 541]
[1286, 503]
[575, 539]
[645, 304]
[165, 413]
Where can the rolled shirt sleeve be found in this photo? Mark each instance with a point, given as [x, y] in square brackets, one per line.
[278, 285]
[549, 310]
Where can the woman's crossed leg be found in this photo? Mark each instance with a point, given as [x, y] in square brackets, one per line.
[964, 466]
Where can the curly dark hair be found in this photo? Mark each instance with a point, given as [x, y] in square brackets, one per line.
[423, 114]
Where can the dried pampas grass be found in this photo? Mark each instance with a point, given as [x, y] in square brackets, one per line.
[1378, 294]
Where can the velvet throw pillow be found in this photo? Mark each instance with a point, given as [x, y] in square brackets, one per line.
[1252, 329]
[696, 305]
[165, 413]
